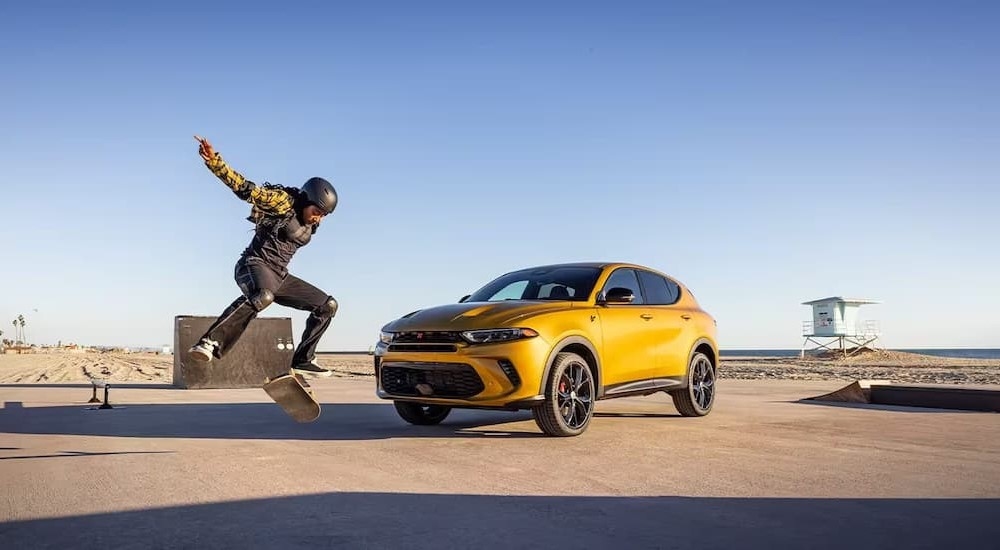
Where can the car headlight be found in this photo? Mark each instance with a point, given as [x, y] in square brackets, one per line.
[497, 335]
[386, 337]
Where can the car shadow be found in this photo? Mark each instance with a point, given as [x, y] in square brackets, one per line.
[636, 415]
[432, 521]
[338, 421]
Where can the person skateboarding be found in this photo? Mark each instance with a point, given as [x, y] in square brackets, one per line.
[286, 218]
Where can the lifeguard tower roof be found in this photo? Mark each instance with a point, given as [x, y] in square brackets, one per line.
[839, 300]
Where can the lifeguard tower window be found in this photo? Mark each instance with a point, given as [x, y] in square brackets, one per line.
[659, 291]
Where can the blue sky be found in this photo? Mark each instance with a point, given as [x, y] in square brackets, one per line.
[765, 155]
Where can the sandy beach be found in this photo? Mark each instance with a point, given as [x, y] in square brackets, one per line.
[893, 366]
[71, 367]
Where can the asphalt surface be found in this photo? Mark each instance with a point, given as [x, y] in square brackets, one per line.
[172, 468]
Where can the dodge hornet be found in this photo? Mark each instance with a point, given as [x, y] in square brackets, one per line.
[554, 339]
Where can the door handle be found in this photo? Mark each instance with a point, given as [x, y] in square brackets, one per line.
[685, 316]
[646, 316]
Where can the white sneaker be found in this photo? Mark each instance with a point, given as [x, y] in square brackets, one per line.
[203, 351]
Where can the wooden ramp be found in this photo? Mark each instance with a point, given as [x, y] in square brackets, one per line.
[858, 391]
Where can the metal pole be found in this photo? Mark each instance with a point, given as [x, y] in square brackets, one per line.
[106, 404]
[94, 398]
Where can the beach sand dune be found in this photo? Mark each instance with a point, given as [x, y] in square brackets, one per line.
[75, 367]
[54, 367]
[72, 367]
[895, 366]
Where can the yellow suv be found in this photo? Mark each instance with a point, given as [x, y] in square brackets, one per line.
[553, 339]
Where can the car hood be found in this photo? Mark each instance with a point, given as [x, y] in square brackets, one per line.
[474, 315]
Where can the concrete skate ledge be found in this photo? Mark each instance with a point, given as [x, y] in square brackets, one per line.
[881, 392]
[940, 397]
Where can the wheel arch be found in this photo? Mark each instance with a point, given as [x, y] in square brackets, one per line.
[582, 347]
[706, 346]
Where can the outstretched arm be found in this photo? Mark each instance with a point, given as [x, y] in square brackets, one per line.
[269, 199]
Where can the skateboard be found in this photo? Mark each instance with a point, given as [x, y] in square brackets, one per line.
[292, 392]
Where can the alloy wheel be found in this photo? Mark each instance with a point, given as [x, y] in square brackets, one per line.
[575, 396]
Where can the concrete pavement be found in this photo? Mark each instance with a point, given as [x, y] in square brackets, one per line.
[226, 468]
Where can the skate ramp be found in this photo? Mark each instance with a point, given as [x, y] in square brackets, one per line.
[264, 351]
[858, 391]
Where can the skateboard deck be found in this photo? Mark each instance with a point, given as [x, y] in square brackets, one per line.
[292, 392]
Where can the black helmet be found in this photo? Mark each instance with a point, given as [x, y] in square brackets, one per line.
[321, 193]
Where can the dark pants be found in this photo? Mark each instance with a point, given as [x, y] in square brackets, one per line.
[259, 284]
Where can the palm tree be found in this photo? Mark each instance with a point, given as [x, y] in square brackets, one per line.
[15, 330]
[24, 337]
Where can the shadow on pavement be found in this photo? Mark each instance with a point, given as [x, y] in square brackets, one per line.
[338, 421]
[389, 520]
[123, 385]
[635, 415]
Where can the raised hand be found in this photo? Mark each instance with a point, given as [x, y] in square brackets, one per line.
[205, 150]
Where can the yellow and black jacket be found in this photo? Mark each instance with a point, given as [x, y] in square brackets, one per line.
[266, 199]
[279, 231]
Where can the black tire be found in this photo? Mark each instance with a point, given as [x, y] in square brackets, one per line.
[569, 397]
[698, 397]
[421, 415]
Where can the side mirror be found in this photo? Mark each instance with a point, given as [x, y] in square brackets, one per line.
[464, 298]
[619, 295]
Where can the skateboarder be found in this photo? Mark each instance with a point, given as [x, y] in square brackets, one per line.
[286, 219]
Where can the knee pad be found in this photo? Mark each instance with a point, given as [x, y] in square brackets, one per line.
[261, 299]
[328, 309]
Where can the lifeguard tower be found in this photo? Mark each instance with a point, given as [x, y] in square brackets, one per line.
[835, 325]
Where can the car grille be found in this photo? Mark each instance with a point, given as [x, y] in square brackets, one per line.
[427, 337]
[442, 379]
[424, 347]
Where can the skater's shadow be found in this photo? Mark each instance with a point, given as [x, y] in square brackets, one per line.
[339, 421]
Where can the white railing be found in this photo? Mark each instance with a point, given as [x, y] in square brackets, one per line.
[867, 328]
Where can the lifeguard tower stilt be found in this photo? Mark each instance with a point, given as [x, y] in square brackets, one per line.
[835, 325]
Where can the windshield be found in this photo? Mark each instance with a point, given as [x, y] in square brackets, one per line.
[555, 283]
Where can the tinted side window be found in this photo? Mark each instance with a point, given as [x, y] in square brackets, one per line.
[675, 291]
[658, 290]
[625, 278]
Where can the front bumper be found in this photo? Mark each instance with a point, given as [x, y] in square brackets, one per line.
[505, 375]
